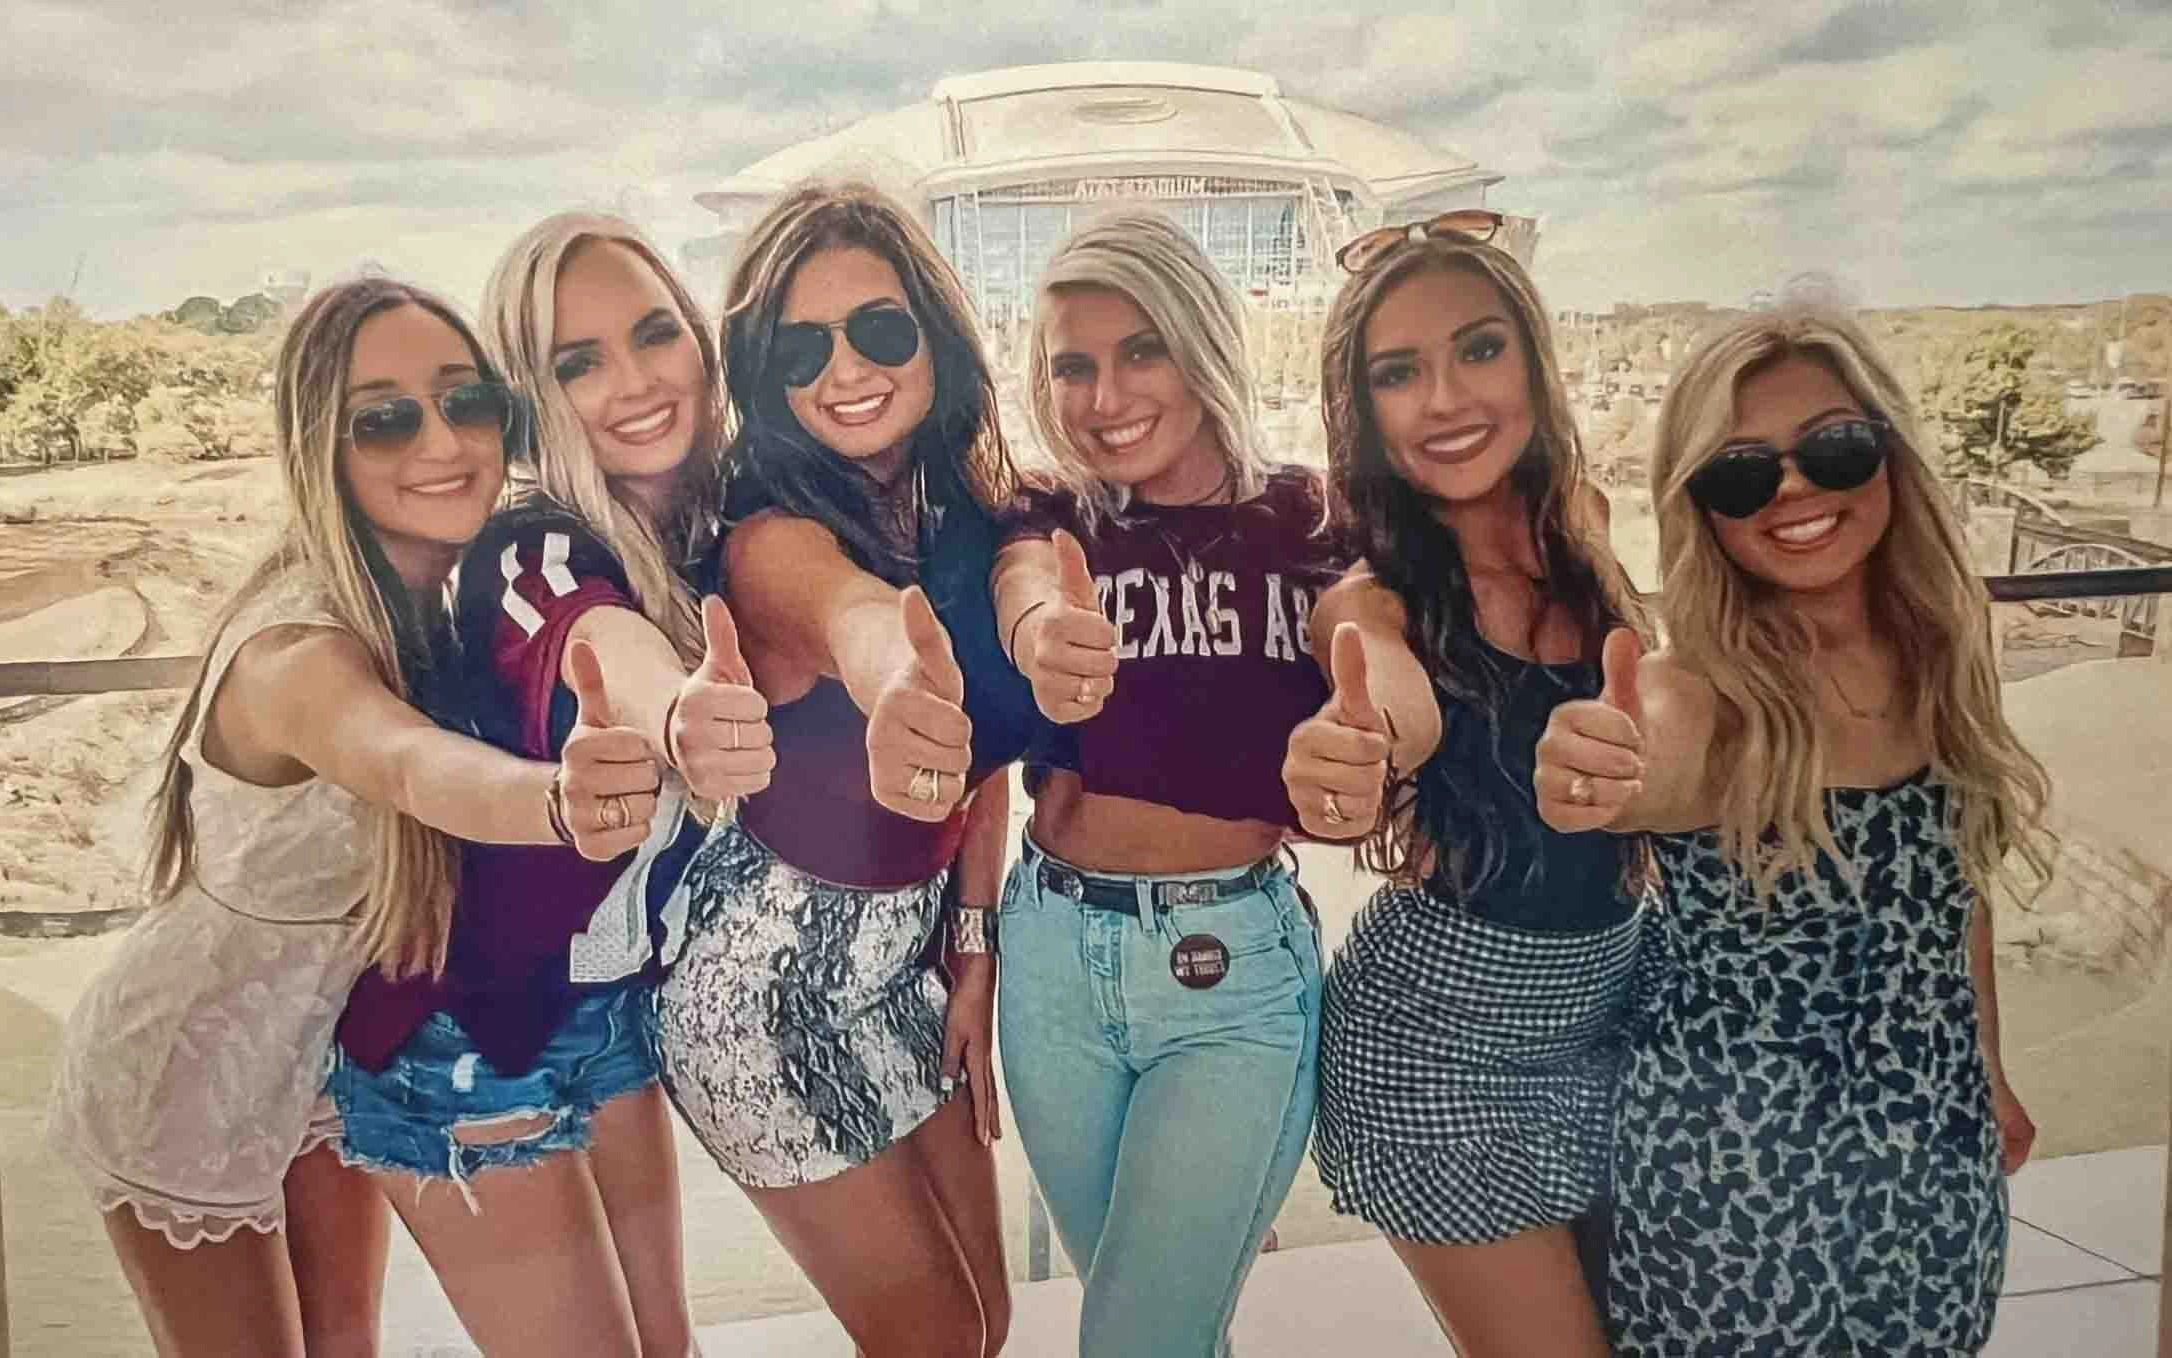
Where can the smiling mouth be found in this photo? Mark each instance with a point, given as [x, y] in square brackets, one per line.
[1124, 436]
[1458, 445]
[451, 485]
[1805, 534]
[863, 411]
[647, 428]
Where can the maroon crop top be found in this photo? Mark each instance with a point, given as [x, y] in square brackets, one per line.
[1212, 606]
[818, 814]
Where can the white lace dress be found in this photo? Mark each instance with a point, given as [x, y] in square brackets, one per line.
[189, 1075]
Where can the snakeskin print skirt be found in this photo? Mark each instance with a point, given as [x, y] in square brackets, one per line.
[801, 1032]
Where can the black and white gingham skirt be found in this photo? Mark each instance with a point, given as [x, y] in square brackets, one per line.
[1468, 1069]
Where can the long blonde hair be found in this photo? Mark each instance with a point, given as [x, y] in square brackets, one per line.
[1758, 654]
[325, 543]
[1151, 260]
[520, 305]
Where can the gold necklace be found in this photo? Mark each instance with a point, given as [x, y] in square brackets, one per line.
[1848, 703]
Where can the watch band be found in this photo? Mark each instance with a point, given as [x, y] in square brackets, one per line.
[972, 930]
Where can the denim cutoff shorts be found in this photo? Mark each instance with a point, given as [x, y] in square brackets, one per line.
[403, 1117]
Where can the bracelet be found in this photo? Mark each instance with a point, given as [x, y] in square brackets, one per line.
[972, 931]
[1010, 651]
[554, 805]
[671, 756]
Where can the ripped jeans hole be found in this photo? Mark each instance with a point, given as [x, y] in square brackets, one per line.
[499, 1131]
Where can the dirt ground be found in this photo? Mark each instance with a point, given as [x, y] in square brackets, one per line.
[153, 549]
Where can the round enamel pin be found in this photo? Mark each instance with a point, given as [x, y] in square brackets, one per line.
[1199, 961]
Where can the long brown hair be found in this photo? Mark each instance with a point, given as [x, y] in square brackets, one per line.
[1417, 556]
[327, 547]
[959, 446]
[1758, 654]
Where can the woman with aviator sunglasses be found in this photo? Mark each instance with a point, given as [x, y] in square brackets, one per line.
[1815, 1119]
[524, 1075]
[299, 832]
[808, 1035]
[1472, 1024]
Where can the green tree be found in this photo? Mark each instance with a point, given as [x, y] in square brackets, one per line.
[1995, 411]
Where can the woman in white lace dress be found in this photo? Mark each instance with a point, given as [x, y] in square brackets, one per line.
[297, 835]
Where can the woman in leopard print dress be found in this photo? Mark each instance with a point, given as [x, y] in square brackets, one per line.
[1815, 1125]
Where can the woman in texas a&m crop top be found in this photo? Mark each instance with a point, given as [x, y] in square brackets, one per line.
[1161, 971]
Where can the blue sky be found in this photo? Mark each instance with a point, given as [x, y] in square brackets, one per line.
[1922, 152]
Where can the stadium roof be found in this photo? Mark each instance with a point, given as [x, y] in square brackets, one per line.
[1029, 123]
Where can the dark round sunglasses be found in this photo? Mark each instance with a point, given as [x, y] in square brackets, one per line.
[885, 335]
[1475, 223]
[470, 408]
[1741, 479]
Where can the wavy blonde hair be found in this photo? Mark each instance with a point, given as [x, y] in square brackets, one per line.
[327, 545]
[1759, 655]
[520, 305]
[1148, 258]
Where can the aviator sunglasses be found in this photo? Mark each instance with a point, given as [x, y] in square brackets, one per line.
[470, 408]
[1476, 224]
[884, 335]
[1741, 479]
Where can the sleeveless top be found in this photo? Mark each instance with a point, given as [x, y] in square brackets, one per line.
[1215, 665]
[534, 925]
[1546, 880]
[189, 1071]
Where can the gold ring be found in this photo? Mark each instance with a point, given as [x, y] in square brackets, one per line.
[1334, 810]
[926, 785]
[1580, 790]
[618, 817]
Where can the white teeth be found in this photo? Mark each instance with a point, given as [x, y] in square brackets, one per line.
[866, 405]
[457, 483]
[1809, 530]
[1125, 435]
[648, 424]
[1459, 442]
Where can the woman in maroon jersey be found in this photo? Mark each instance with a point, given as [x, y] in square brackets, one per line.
[526, 1073]
[1161, 973]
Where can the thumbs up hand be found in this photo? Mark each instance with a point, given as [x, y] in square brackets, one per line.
[1066, 648]
[717, 733]
[1336, 769]
[1591, 757]
[919, 740]
[607, 781]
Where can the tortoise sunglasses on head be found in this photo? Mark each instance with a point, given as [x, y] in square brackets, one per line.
[1473, 223]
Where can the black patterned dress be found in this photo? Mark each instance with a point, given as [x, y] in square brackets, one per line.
[1806, 1159]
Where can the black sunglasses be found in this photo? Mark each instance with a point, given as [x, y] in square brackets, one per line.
[1475, 223]
[470, 408]
[1742, 479]
[887, 335]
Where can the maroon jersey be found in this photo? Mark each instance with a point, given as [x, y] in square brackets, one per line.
[533, 924]
[1212, 606]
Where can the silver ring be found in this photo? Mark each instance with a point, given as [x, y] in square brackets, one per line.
[1334, 810]
[1580, 790]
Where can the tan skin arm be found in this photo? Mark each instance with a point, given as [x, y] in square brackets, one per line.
[2017, 1132]
[1643, 747]
[976, 883]
[1052, 628]
[300, 701]
[805, 611]
[1398, 682]
[720, 737]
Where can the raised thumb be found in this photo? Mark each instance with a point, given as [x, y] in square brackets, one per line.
[585, 673]
[720, 659]
[931, 644]
[1346, 666]
[1073, 575]
[1618, 664]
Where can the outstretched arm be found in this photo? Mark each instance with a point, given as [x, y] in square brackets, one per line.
[1636, 758]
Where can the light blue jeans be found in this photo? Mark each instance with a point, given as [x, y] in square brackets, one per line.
[1165, 1124]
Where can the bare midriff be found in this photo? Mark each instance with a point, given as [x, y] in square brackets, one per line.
[1123, 835]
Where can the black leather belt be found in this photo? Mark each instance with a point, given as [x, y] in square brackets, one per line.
[1121, 894]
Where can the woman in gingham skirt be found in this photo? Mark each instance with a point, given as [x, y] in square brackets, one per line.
[1470, 1026]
